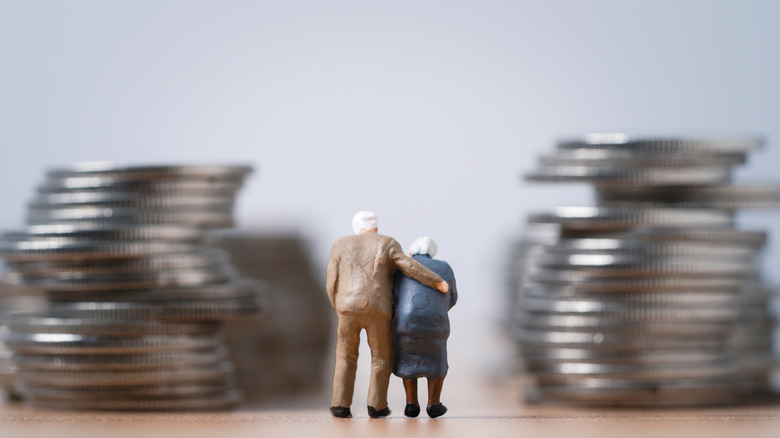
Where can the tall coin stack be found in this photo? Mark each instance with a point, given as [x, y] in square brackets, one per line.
[135, 291]
[653, 297]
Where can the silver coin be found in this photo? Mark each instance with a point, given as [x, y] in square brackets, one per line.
[543, 354]
[606, 157]
[209, 172]
[182, 374]
[130, 199]
[607, 265]
[76, 249]
[663, 144]
[606, 384]
[229, 291]
[226, 400]
[681, 393]
[659, 323]
[107, 231]
[155, 392]
[713, 236]
[125, 215]
[562, 373]
[34, 323]
[608, 340]
[668, 297]
[216, 310]
[619, 176]
[134, 280]
[630, 310]
[63, 343]
[628, 316]
[166, 186]
[619, 246]
[583, 280]
[600, 218]
[767, 191]
[106, 362]
[733, 205]
[158, 262]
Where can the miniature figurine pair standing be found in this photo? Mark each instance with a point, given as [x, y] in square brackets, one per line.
[362, 289]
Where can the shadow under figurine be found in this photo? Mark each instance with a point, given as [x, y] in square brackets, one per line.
[421, 328]
[359, 283]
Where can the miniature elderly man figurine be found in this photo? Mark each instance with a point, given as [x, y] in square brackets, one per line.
[421, 329]
[359, 284]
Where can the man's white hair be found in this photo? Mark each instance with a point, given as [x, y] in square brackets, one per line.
[424, 245]
[363, 220]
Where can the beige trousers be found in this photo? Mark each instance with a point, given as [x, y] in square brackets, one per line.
[378, 332]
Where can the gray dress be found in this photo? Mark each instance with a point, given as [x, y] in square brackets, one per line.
[421, 325]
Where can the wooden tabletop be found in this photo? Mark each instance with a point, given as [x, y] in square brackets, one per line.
[483, 397]
[506, 417]
[491, 410]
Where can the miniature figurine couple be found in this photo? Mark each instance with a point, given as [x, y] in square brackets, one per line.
[363, 291]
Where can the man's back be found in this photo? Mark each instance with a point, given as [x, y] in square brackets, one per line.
[362, 266]
[360, 273]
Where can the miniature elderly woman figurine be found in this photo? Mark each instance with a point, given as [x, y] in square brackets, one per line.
[421, 328]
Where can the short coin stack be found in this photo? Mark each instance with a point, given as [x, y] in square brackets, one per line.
[652, 298]
[136, 293]
[283, 353]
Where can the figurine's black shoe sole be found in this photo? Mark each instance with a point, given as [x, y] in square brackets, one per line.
[340, 412]
[412, 410]
[436, 410]
[373, 413]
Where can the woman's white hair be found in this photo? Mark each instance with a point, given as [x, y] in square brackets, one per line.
[424, 245]
[363, 220]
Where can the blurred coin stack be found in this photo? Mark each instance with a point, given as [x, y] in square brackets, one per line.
[14, 299]
[281, 355]
[653, 297]
[136, 293]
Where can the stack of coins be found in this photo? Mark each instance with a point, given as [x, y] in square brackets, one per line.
[653, 297]
[283, 354]
[14, 299]
[84, 363]
[136, 292]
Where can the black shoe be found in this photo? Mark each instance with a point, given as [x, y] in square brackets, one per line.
[340, 412]
[412, 410]
[373, 413]
[436, 410]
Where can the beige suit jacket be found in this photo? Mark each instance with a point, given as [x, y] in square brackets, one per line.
[359, 278]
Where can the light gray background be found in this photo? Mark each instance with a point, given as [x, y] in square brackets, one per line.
[425, 111]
